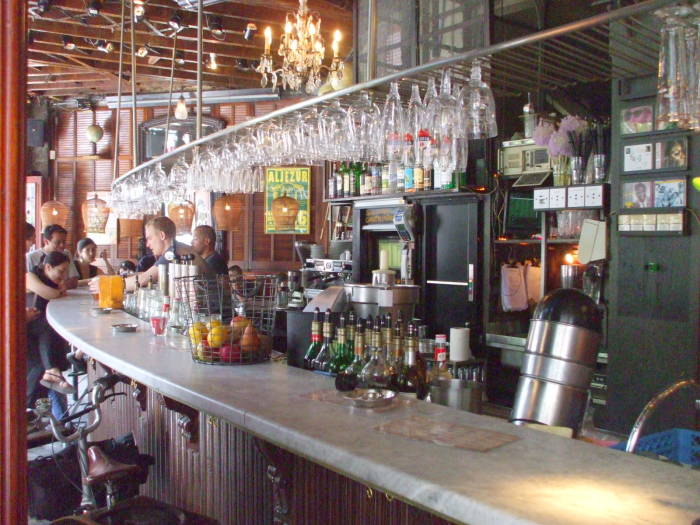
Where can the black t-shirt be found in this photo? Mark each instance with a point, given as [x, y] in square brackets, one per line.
[217, 264]
[92, 270]
[36, 300]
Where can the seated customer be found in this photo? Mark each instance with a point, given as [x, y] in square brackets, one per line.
[203, 242]
[87, 253]
[54, 237]
[46, 355]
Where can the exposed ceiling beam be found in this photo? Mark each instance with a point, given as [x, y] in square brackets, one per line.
[86, 76]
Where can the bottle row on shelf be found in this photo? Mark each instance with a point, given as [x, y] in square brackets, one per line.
[374, 353]
[355, 179]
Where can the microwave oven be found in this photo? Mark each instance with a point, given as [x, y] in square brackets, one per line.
[517, 157]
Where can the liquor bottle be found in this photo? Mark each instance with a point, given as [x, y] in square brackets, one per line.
[369, 335]
[417, 177]
[323, 358]
[348, 379]
[400, 177]
[347, 180]
[331, 186]
[408, 163]
[385, 179]
[339, 188]
[350, 332]
[316, 339]
[412, 377]
[375, 374]
[338, 349]
[357, 172]
[395, 356]
[393, 169]
[386, 332]
[377, 179]
[440, 369]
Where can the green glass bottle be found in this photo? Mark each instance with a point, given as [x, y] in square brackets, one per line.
[323, 358]
[316, 341]
[339, 348]
[348, 378]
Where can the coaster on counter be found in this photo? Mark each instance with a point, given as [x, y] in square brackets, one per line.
[448, 434]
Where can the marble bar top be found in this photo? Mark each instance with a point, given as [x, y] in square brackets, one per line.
[539, 478]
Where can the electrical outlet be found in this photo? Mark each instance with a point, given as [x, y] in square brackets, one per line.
[594, 196]
[575, 197]
[557, 197]
[541, 199]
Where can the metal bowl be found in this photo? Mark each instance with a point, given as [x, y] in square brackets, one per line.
[370, 397]
[124, 327]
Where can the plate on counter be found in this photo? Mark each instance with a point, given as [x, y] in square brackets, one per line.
[370, 397]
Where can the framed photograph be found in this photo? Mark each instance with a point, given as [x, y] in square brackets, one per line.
[638, 157]
[637, 119]
[288, 199]
[672, 154]
[669, 193]
[638, 194]
[110, 236]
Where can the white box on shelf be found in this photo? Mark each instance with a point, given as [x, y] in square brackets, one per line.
[594, 196]
[557, 197]
[575, 197]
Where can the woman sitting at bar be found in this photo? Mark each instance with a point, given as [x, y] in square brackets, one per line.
[87, 253]
[46, 349]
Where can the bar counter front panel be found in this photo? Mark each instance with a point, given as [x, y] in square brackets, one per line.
[261, 451]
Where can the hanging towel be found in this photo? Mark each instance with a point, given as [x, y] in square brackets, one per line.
[513, 292]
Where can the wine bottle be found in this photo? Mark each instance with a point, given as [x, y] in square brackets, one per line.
[338, 349]
[316, 340]
[323, 357]
[348, 378]
[440, 369]
[412, 377]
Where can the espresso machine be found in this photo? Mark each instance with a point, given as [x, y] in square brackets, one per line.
[318, 272]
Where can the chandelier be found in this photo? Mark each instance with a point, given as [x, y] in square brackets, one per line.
[302, 50]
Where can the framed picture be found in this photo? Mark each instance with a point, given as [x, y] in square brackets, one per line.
[202, 207]
[638, 157]
[670, 193]
[637, 119]
[638, 194]
[288, 199]
[110, 236]
[672, 154]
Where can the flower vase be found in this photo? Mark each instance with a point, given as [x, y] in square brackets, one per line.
[560, 170]
[578, 175]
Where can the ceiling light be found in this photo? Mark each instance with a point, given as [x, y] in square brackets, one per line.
[94, 7]
[105, 47]
[212, 62]
[175, 22]
[181, 108]
[142, 52]
[68, 43]
[250, 30]
[180, 58]
[216, 27]
[43, 6]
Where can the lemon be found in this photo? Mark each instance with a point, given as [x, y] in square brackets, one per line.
[211, 324]
[218, 336]
[197, 333]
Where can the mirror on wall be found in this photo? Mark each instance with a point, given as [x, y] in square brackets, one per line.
[152, 134]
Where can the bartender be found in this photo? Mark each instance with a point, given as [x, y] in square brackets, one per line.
[160, 238]
[203, 243]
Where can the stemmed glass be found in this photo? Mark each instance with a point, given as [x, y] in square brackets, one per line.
[479, 105]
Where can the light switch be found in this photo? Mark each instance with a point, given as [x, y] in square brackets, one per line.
[575, 197]
[541, 199]
[557, 197]
[594, 196]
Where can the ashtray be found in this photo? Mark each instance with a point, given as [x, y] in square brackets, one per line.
[370, 397]
[124, 327]
[99, 310]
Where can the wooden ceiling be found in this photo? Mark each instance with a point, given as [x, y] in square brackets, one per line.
[55, 71]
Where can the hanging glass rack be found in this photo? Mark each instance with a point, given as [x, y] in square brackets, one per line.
[618, 44]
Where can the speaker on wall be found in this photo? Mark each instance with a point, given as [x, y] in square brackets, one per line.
[35, 132]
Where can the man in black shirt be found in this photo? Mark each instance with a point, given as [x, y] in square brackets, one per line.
[203, 242]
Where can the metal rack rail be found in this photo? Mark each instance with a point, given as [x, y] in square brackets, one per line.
[616, 44]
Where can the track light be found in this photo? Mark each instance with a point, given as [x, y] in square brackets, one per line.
[139, 12]
[175, 22]
[146, 50]
[242, 64]
[105, 47]
[216, 27]
[94, 7]
[181, 108]
[180, 58]
[212, 64]
[250, 31]
[68, 43]
[43, 6]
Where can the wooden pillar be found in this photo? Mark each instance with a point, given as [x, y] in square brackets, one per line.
[13, 453]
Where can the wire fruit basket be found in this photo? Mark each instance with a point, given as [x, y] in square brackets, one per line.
[217, 313]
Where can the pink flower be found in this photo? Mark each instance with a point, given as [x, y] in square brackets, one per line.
[571, 123]
[543, 132]
[559, 144]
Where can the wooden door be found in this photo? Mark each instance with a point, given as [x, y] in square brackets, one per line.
[13, 455]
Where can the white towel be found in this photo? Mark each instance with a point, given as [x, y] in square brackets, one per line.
[513, 291]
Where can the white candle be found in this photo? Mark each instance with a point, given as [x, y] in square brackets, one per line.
[383, 260]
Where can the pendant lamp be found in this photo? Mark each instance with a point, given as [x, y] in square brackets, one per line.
[182, 214]
[95, 213]
[54, 212]
[227, 212]
[284, 212]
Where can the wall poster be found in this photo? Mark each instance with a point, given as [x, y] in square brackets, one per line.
[292, 182]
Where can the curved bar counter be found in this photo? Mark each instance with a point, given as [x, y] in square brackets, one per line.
[538, 478]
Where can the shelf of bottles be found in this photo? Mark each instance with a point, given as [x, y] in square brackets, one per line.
[376, 353]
